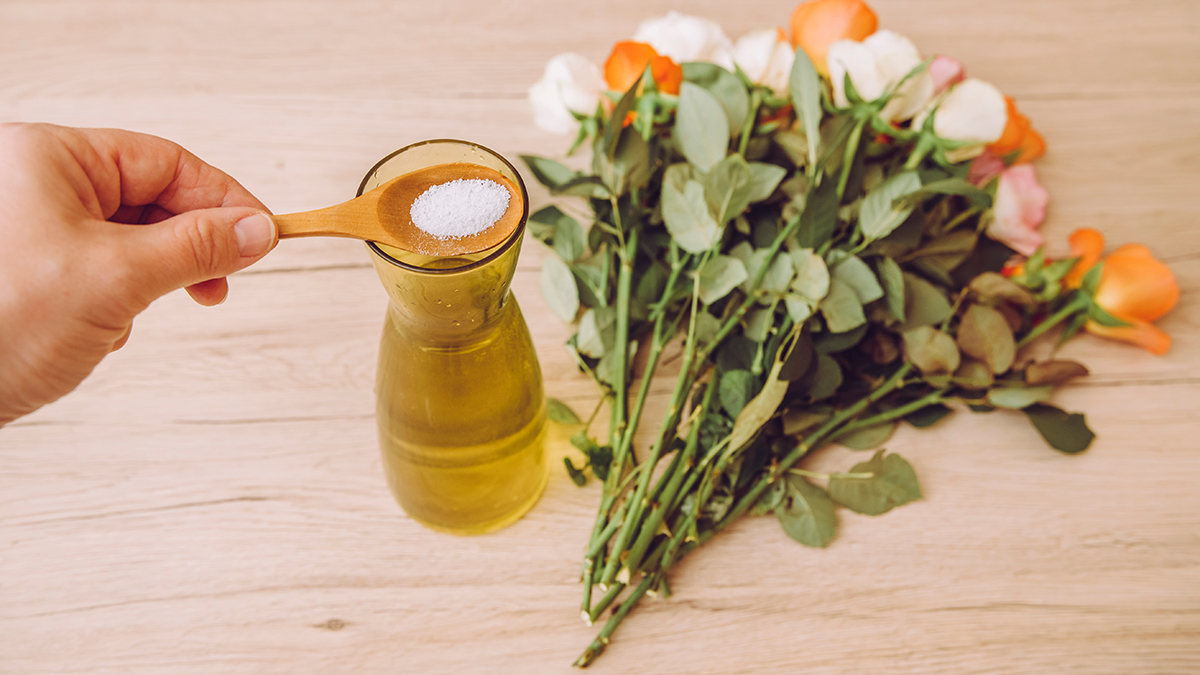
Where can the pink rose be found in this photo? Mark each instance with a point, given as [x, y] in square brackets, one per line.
[984, 168]
[946, 72]
[1019, 209]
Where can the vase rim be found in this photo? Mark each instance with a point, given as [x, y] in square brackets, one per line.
[496, 252]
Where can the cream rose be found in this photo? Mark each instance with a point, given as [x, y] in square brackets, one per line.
[877, 64]
[972, 112]
[766, 57]
[684, 38]
[569, 84]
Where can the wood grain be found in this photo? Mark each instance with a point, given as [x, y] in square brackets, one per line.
[211, 499]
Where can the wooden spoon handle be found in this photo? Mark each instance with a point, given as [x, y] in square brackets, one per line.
[342, 220]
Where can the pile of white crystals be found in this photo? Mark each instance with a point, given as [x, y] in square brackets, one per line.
[460, 208]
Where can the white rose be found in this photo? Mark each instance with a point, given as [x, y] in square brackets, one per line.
[570, 83]
[973, 111]
[766, 57]
[684, 38]
[875, 65]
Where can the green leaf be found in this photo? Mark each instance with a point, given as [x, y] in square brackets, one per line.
[629, 168]
[1018, 398]
[559, 230]
[841, 308]
[984, 333]
[720, 275]
[805, 87]
[928, 416]
[558, 288]
[701, 127]
[931, 351]
[812, 276]
[688, 219]
[892, 483]
[893, 286]
[1091, 280]
[548, 172]
[616, 122]
[832, 343]
[798, 358]
[1099, 315]
[764, 178]
[824, 380]
[560, 412]
[855, 273]
[758, 324]
[577, 476]
[735, 390]
[584, 186]
[725, 86]
[807, 514]
[869, 438]
[776, 279]
[819, 217]
[770, 499]
[958, 186]
[884, 208]
[594, 337]
[1067, 432]
[727, 188]
[924, 303]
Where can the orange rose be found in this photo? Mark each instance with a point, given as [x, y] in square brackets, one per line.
[1019, 134]
[1134, 287]
[819, 23]
[629, 60]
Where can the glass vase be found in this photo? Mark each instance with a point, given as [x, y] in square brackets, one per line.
[459, 401]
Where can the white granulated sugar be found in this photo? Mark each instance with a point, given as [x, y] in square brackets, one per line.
[459, 208]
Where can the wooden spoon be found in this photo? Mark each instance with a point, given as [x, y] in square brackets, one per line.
[382, 214]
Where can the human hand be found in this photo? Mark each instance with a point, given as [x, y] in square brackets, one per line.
[95, 224]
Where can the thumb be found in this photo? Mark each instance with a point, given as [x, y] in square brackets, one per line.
[196, 246]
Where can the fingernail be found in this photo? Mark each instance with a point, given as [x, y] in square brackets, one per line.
[254, 235]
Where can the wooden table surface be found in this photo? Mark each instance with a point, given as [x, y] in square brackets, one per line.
[211, 499]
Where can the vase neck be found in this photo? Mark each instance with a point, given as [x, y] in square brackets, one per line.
[440, 301]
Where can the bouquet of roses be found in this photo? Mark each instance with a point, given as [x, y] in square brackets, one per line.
[833, 235]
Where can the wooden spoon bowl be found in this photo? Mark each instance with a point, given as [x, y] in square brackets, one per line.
[383, 214]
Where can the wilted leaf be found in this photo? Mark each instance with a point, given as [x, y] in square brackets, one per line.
[577, 476]
[687, 218]
[560, 412]
[812, 276]
[985, 334]
[760, 409]
[701, 127]
[841, 308]
[881, 212]
[798, 358]
[973, 375]
[931, 351]
[992, 287]
[892, 483]
[591, 339]
[1053, 372]
[807, 514]
[1064, 431]
[558, 288]
[720, 275]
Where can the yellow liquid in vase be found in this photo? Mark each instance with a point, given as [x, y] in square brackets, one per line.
[462, 425]
[459, 401]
